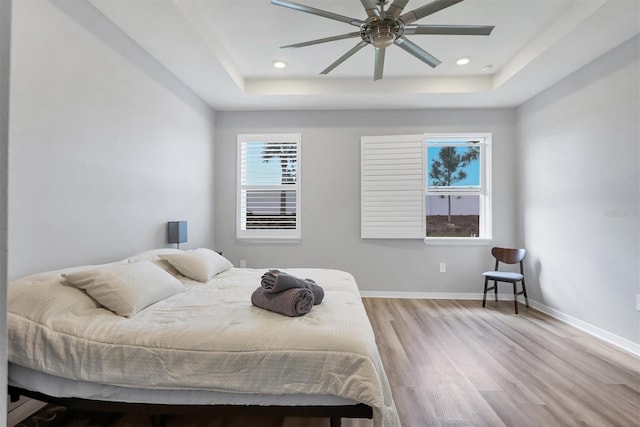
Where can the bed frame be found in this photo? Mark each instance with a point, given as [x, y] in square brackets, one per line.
[159, 412]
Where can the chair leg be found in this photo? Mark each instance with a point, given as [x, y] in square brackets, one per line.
[484, 297]
[515, 296]
[495, 289]
[524, 291]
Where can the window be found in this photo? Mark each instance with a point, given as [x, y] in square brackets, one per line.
[456, 195]
[268, 205]
[430, 186]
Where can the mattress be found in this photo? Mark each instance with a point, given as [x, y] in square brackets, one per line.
[29, 379]
[208, 338]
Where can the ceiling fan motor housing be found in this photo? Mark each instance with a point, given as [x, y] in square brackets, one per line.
[380, 32]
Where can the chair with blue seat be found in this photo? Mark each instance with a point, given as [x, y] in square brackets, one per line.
[506, 256]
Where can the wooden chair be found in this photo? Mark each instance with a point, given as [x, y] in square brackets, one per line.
[506, 256]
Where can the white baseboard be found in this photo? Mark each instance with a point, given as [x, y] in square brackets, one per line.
[607, 336]
[434, 295]
[425, 295]
[623, 343]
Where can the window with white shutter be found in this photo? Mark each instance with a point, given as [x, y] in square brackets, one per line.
[430, 186]
[268, 205]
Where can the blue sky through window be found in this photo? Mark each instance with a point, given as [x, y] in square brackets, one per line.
[472, 170]
[259, 171]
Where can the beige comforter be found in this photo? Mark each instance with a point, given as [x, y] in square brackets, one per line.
[209, 338]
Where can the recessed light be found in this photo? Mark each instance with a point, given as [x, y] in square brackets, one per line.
[279, 64]
[463, 61]
[487, 67]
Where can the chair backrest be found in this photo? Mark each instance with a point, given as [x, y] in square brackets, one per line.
[508, 255]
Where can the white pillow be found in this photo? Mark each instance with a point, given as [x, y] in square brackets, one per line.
[199, 264]
[126, 289]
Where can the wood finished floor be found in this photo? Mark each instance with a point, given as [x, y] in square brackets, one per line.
[452, 363]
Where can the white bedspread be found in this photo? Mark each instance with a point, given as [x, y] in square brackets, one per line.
[207, 338]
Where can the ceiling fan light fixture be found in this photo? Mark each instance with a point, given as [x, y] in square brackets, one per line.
[382, 38]
[463, 61]
[279, 64]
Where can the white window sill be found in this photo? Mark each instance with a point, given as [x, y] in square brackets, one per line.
[269, 241]
[458, 241]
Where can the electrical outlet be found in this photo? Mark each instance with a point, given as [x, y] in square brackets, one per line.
[443, 267]
[243, 263]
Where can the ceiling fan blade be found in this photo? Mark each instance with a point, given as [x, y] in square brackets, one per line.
[318, 12]
[395, 9]
[379, 63]
[417, 51]
[371, 7]
[426, 10]
[344, 57]
[324, 40]
[461, 30]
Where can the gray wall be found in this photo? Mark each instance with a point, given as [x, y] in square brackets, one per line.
[579, 199]
[5, 59]
[330, 172]
[106, 145]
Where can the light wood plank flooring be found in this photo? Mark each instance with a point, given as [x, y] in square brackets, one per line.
[452, 363]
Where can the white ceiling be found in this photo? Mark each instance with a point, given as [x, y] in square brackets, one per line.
[223, 50]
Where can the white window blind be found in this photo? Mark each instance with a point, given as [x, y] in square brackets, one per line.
[393, 180]
[268, 187]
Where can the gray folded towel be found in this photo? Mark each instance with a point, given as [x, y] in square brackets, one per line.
[278, 281]
[291, 302]
[318, 292]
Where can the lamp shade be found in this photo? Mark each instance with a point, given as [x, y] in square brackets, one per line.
[177, 231]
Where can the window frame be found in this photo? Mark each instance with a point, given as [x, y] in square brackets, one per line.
[485, 235]
[271, 235]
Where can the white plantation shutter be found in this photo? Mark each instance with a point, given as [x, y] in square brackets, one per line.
[393, 181]
[268, 187]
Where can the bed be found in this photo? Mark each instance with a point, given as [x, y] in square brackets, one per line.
[199, 346]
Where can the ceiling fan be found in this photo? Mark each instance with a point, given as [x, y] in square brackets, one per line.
[384, 27]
